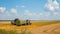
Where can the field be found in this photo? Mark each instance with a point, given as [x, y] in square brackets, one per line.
[37, 27]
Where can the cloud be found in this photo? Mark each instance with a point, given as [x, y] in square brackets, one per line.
[56, 13]
[56, 5]
[41, 15]
[37, 15]
[15, 13]
[28, 13]
[33, 15]
[46, 14]
[13, 10]
[7, 13]
[52, 5]
[20, 6]
[2, 9]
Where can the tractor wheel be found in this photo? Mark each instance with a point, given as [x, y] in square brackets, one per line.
[13, 23]
[26, 23]
[29, 22]
[18, 25]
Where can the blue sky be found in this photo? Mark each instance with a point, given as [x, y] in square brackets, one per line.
[30, 9]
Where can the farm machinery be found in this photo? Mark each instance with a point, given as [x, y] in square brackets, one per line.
[20, 22]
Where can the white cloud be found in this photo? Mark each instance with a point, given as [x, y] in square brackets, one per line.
[28, 13]
[35, 15]
[7, 13]
[41, 15]
[15, 13]
[2, 9]
[13, 10]
[20, 6]
[56, 13]
[47, 14]
[56, 5]
[48, 6]
[52, 5]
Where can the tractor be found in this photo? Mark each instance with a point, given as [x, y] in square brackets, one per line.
[20, 22]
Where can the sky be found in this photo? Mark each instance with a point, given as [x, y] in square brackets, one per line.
[30, 9]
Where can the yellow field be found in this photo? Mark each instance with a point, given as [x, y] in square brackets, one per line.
[35, 24]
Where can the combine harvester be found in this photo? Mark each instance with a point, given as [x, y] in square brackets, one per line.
[20, 22]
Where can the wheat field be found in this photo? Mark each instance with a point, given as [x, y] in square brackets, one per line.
[37, 27]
